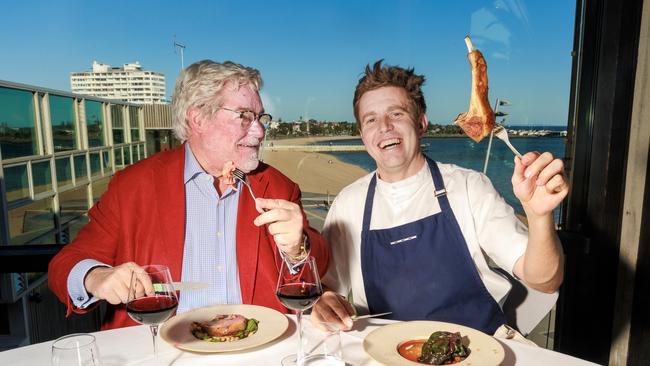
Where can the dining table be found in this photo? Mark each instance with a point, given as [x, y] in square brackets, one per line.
[133, 346]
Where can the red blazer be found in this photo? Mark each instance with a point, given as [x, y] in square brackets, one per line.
[141, 218]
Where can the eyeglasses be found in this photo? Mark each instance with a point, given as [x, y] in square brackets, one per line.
[248, 117]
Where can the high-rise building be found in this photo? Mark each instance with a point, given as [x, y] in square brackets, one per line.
[129, 83]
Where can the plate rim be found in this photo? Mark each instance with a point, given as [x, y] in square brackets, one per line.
[272, 312]
[500, 355]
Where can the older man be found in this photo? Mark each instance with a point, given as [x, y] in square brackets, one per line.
[177, 208]
[414, 237]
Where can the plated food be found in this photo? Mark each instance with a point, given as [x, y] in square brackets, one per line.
[479, 349]
[442, 348]
[479, 120]
[224, 328]
[177, 331]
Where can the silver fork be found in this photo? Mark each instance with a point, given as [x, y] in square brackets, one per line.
[241, 176]
[501, 133]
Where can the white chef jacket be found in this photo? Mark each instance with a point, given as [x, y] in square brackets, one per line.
[487, 222]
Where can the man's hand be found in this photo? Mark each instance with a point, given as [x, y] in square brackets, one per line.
[112, 284]
[332, 308]
[538, 182]
[285, 223]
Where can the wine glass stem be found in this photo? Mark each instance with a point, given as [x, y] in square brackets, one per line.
[154, 333]
[301, 352]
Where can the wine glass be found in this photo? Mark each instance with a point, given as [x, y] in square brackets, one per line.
[152, 298]
[298, 289]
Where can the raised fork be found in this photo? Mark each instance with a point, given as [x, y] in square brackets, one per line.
[501, 133]
[241, 176]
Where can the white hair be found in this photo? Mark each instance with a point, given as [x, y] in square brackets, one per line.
[200, 86]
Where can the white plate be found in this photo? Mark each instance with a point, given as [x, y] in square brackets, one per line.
[176, 330]
[381, 344]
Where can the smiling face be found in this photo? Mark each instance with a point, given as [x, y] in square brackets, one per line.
[390, 134]
[220, 138]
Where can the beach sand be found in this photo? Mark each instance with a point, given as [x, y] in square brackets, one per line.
[320, 176]
[315, 172]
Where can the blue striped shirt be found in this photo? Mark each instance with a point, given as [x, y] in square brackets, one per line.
[210, 253]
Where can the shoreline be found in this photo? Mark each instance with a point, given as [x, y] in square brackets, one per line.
[317, 173]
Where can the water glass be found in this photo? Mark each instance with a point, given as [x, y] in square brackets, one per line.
[321, 347]
[79, 349]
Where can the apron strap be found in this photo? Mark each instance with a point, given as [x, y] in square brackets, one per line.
[439, 186]
[367, 211]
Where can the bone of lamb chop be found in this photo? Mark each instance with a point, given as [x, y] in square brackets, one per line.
[478, 121]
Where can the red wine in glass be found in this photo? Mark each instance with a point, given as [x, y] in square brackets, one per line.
[152, 310]
[299, 296]
[298, 288]
[152, 298]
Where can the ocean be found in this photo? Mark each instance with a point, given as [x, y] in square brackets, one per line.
[464, 152]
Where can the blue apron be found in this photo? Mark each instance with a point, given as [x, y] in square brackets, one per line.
[423, 269]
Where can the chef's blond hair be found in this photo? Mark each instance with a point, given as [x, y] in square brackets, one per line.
[200, 86]
[379, 76]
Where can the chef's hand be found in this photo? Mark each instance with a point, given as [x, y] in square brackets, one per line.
[112, 283]
[538, 181]
[284, 219]
[332, 308]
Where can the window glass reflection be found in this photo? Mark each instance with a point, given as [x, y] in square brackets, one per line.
[127, 155]
[95, 163]
[95, 123]
[16, 182]
[80, 169]
[62, 116]
[117, 118]
[30, 221]
[108, 166]
[42, 175]
[118, 157]
[99, 187]
[63, 171]
[74, 203]
[135, 124]
[17, 132]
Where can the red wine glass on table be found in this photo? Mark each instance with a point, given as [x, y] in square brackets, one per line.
[298, 289]
[152, 298]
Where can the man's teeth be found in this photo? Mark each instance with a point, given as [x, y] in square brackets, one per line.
[388, 143]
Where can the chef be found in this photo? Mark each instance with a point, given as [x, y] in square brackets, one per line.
[414, 237]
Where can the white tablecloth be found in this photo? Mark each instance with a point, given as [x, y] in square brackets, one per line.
[132, 346]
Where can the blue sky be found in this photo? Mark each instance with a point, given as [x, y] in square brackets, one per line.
[311, 54]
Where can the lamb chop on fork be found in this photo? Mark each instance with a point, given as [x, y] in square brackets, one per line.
[478, 121]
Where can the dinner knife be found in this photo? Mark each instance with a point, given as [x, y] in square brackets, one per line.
[357, 317]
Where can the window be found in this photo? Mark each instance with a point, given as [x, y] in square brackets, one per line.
[17, 127]
[80, 169]
[117, 118]
[74, 203]
[95, 164]
[30, 221]
[63, 171]
[135, 123]
[16, 182]
[94, 123]
[64, 121]
[42, 176]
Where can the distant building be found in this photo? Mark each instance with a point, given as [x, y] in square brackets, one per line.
[129, 83]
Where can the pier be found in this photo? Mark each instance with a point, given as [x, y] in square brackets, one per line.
[315, 148]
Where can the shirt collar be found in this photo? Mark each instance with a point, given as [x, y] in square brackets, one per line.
[192, 166]
[193, 169]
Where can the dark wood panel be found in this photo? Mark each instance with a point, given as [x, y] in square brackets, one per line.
[47, 317]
